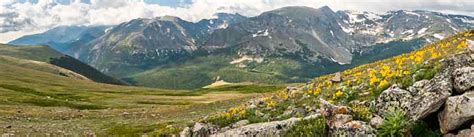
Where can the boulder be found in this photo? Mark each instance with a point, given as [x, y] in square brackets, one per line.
[274, 128]
[353, 129]
[421, 99]
[187, 132]
[199, 130]
[458, 110]
[340, 122]
[462, 133]
[334, 114]
[376, 121]
[470, 45]
[463, 79]
[337, 77]
[393, 98]
[240, 123]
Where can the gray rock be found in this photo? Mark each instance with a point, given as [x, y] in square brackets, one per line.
[339, 120]
[393, 98]
[274, 128]
[422, 98]
[466, 133]
[463, 79]
[299, 111]
[187, 132]
[376, 121]
[353, 129]
[470, 45]
[294, 91]
[252, 106]
[462, 133]
[199, 130]
[458, 110]
[240, 123]
[337, 77]
[333, 113]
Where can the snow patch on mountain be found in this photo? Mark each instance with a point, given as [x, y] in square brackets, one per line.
[438, 36]
[422, 30]
[246, 58]
[261, 33]
[412, 13]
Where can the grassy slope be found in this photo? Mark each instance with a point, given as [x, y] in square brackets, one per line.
[48, 55]
[37, 101]
[362, 83]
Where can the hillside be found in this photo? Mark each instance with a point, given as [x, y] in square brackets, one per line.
[46, 55]
[63, 38]
[424, 92]
[36, 100]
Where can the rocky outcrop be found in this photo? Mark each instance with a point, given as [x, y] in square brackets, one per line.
[241, 128]
[463, 79]
[452, 87]
[463, 133]
[199, 130]
[427, 96]
[337, 77]
[340, 122]
[261, 129]
[458, 110]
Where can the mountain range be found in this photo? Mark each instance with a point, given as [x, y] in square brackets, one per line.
[290, 44]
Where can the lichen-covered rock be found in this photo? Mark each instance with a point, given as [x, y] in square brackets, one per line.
[274, 128]
[463, 79]
[462, 133]
[199, 130]
[393, 98]
[332, 113]
[240, 123]
[470, 45]
[431, 96]
[457, 111]
[340, 122]
[294, 91]
[187, 132]
[353, 129]
[376, 121]
[422, 98]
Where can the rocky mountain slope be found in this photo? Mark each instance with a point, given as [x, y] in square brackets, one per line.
[48, 60]
[427, 92]
[291, 44]
[63, 38]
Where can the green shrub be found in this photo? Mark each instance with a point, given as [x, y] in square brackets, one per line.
[421, 129]
[425, 72]
[396, 124]
[361, 112]
[308, 128]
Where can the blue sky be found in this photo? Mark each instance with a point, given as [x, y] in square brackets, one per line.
[23, 17]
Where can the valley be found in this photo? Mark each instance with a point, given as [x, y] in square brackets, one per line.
[37, 102]
[283, 71]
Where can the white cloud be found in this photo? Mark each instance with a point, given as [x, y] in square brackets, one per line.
[19, 18]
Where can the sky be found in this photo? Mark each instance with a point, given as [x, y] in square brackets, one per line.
[25, 17]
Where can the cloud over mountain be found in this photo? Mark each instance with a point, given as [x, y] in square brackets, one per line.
[18, 17]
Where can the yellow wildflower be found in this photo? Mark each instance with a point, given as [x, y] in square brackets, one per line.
[383, 83]
[338, 93]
